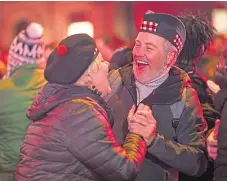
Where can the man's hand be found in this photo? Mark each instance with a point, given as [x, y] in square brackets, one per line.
[212, 144]
[142, 122]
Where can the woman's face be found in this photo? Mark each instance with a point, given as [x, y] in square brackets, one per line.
[100, 79]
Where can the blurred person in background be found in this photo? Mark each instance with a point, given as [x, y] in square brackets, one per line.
[23, 78]
[117, 58]
[217, 142]
[70, 136]
[200, 35]
[104, 49]
[120, 58]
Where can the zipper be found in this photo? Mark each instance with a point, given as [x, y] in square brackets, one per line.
[166, 175]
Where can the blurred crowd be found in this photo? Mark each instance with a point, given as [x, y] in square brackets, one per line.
[108, 46]
[202, 60]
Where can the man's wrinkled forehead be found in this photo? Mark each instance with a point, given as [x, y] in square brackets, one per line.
[149, 38]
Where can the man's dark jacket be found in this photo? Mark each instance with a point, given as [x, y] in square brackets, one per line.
[176, 148]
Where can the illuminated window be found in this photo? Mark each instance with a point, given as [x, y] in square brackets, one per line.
[219, 19]
[81, 27]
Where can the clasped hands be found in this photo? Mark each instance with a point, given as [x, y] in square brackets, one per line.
[142, 122]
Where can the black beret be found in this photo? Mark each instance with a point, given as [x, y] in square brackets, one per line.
[70, 59]
[166, 26]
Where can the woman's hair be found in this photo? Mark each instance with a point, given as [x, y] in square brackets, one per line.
[91, 70]
[200, 34]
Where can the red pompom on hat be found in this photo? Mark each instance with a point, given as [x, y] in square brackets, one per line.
[62, 50]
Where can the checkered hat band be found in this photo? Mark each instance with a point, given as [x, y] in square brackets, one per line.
[150, 26]
[178, 42]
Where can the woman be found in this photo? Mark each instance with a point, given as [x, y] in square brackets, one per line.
[70, 137]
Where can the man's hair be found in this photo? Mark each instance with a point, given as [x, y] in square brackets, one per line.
[199, 32]
[168, 47]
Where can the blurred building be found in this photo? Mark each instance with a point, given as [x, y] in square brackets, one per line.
[100, 19]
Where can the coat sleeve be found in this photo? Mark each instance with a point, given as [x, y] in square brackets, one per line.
[221, 161]
[187, 153]
[220, 99]
[91, 140]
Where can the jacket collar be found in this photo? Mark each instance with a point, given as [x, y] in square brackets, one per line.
[168, 92]
[126, 73]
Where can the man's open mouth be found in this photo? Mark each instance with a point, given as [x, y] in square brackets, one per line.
[141, 63]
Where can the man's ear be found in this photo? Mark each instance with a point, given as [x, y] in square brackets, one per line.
[171, 58]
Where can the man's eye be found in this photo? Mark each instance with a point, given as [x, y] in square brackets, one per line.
[149, 49]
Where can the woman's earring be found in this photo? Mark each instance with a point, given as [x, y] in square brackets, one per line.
[96, 90]
[99, 93]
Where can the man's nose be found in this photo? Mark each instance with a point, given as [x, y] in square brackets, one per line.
[140, 51]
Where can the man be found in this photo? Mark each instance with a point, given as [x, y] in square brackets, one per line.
[23, 79]
[153, 80]
[200, 34]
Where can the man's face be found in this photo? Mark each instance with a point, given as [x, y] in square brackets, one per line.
[149, 57]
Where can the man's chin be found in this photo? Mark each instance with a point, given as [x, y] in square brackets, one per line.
[141, 79]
